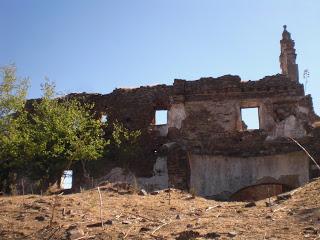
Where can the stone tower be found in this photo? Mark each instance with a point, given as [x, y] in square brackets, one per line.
[288, 56]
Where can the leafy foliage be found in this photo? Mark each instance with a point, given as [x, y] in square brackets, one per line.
[13, 93]
[124, 144]
[53, 134]
[62, 132]
[41, 143]
[13, 134]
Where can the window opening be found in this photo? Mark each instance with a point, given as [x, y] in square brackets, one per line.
[250, 118]
[161, 117]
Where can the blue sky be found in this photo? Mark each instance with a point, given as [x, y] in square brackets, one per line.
[96, 46]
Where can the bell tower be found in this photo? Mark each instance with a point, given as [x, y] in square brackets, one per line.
[288, 56]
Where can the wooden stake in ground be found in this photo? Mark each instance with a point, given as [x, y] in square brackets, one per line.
[100, 207]
[269, 199]
[22, 185]
[169, 191]
[53, 208]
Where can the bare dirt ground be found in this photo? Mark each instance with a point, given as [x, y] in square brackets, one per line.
[131, 216]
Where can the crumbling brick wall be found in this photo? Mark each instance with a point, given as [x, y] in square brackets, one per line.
[204, 118]
[213, 106]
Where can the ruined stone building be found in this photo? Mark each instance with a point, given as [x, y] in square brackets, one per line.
[205, 145]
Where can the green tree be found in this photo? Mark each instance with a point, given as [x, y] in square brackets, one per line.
[13, 134]
[43, 141]
[13, 92]
[51, 134]
[62, 132]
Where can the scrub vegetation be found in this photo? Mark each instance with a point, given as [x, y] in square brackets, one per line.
[39, 142]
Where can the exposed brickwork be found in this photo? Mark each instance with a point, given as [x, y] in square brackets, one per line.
[204, 117]
[213, 121]
[288, 56]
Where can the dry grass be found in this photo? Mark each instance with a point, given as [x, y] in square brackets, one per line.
[151, 217]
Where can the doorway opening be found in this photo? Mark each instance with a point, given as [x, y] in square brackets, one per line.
[66, 179]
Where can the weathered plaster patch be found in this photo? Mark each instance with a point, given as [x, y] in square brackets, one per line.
[290, 127]
[158, 181]
[303, 110]
[219, 176]
[176, 115]
[163, 129]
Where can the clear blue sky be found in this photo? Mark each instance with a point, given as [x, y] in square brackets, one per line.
[98, 45]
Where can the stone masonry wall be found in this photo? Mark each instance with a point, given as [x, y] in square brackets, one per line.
[204, 118]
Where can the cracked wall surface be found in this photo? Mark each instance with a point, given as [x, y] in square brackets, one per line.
[205, 144]
[219, 177]
[204, 137]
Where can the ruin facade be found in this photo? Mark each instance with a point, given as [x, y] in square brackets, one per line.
[205, 146]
